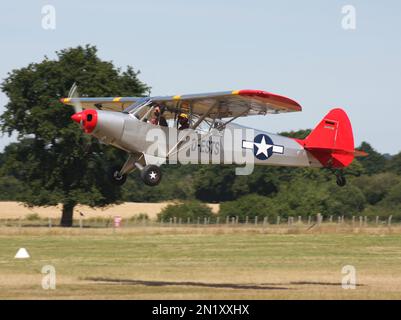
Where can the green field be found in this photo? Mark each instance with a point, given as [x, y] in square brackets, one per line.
[197, 263]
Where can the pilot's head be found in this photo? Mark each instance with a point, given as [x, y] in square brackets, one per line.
[183, 117]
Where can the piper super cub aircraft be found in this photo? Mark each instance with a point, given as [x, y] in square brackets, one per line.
[128, 122]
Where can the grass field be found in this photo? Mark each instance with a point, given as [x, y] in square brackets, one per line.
[199, 263]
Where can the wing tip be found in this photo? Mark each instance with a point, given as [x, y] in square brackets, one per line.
[290, 103]
[65, 100]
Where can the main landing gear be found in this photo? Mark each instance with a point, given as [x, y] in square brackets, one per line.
[340, 179]
[151, 175]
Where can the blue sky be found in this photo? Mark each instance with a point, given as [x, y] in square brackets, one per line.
[295, 48]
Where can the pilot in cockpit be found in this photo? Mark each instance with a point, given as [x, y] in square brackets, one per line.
[158, 118]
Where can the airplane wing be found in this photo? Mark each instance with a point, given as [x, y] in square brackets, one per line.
[103, 103]
[238, 103]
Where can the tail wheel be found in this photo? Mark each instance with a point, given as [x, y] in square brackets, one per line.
[116, 177]
[151, 175]
[341, 181]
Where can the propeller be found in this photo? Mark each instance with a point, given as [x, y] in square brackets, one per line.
[73, 93]
[78, 116]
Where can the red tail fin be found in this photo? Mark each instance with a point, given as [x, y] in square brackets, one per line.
[332, 141]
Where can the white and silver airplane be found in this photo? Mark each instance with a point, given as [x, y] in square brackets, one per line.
[199, 128]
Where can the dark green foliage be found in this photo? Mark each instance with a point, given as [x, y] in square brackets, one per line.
[250, 206]
[376, 187]
[187, 209]
[394, 164]
[10, 188]
[374, 162]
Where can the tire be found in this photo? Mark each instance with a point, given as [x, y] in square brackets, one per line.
[151, 175]
[341, 181]
[115, 178]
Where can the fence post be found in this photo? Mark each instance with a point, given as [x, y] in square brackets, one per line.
[256, 220]
[309, 220]
[246, 220]
[233, 220]
[342, 219]
[319, 219]
[353, 221]
[171, 221]
[188, 221]
[299, 219]
[179, 221]
[264, 221]
[227, 220]
[366, 221]
[377, 220]
[360, 221]
[278, 220]
[389, 220]
[331, 219]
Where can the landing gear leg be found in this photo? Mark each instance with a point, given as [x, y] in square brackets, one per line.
[119, 176]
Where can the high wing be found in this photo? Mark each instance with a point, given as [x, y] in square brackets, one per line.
[238, 103]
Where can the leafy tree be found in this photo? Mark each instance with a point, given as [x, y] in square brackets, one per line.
[394, 164]
[185, 210]
[346, 201]
[10, 188]
[53, 158]
[376, 187]
[251, 206]
[214, 183]
[393, 198]
[374, 162]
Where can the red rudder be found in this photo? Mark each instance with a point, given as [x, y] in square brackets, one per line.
[332, 141]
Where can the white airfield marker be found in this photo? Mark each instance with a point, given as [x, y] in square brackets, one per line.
[22, 253]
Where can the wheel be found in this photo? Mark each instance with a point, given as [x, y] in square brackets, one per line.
[151, 175]
[115, 177]
[341, 181]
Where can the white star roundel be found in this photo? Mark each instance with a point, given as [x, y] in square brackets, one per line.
[263, 147]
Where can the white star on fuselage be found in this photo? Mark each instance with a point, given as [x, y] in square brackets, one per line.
[263, 147]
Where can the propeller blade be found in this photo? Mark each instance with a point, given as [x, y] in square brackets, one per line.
[74, 94]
